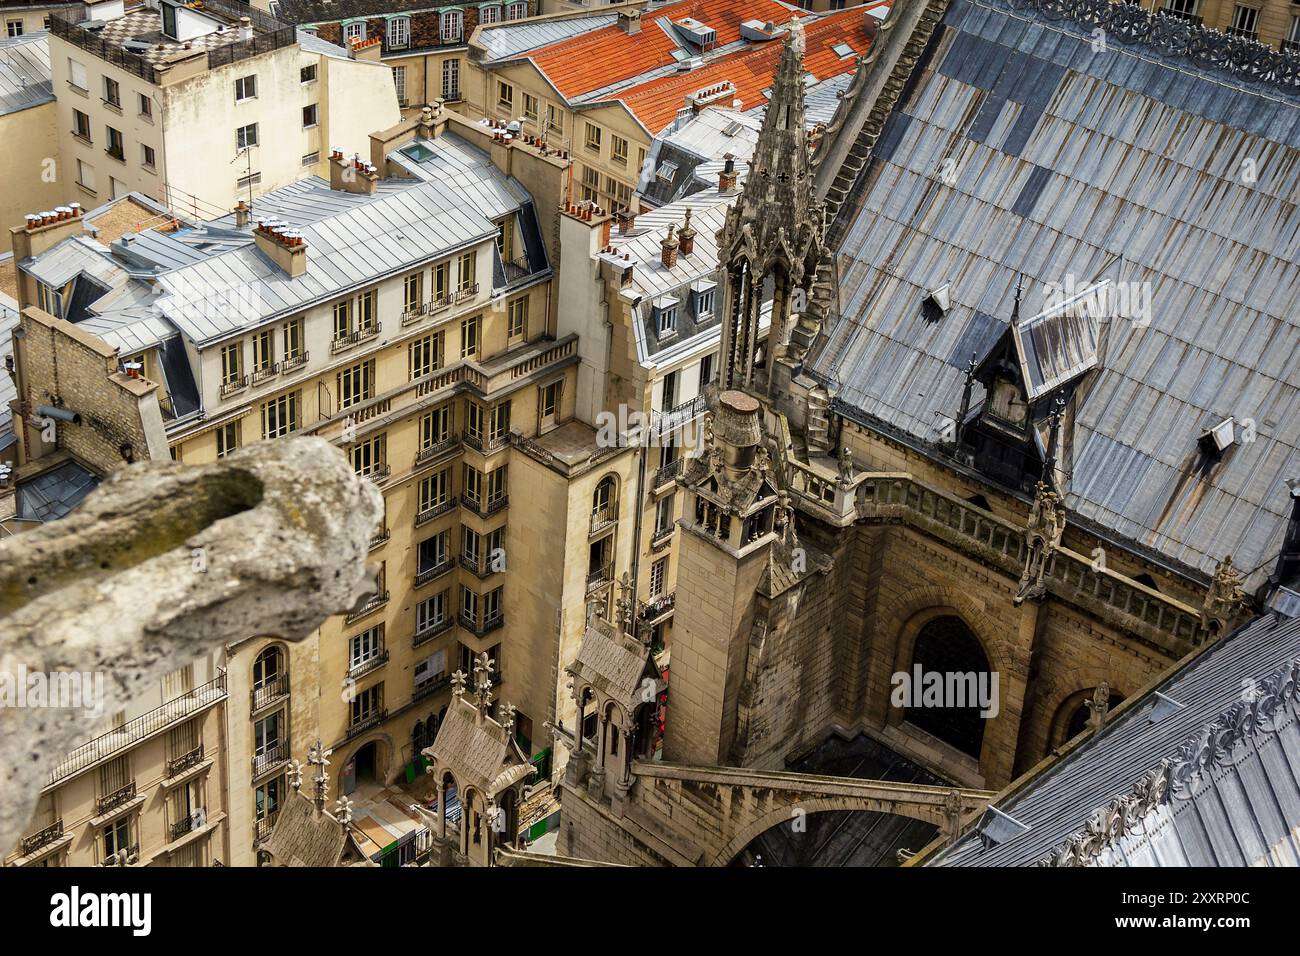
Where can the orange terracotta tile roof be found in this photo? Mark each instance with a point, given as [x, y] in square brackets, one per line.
[604, 57]
[657, 102]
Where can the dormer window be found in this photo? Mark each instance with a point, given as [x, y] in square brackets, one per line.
[516, 11]
[489, 14]
[354, 31]
[665, 317]
[399, 33]
[453, 26]
[702, 293]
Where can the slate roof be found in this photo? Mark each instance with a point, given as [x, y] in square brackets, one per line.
[25, 78]
[1112, 165]
[478, 752]
[1231, 794]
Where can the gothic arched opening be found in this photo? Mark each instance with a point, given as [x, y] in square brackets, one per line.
[946, 647]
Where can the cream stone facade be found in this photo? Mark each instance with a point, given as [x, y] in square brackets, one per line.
[234, 116]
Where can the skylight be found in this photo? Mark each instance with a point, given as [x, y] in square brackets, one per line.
[843, 49]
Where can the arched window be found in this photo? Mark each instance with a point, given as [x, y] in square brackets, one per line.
[1079, 718]
[452, 26]
[516, 11]
[489, 14]
[954, 679]
[270, 676]
[602, 501]
[399, 33]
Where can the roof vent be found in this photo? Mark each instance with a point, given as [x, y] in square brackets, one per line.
[996, 828]
[937, 302]
[696, 32]
[1162, 707]
[756, 31]
[1215, 442]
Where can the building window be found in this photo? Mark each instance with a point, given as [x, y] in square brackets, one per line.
[307, 74]
[666, 320]
[227, 438]
[14, 28]
[471, 482]
[517, 318]
[473, 420]
[707, 368]
[554, 119]
[531, 109]
[246, 136]
[431, 612]
[147, 157]
[435, 426]
[618, 149]
[412, 291]
[77, 75]
[505, 96]
[86, 175]
[399, 84]
[549, 404]
[435, 490]
[499, 423]
[1245, 21]
[246, 88]
[432, 553]
[117, 838]
[354, 31]
[469, 606]
[490, 14]
[311, 159]
[703, 303]
[664, 515]
[368, 703]
[424, 356]
[113, 92]
[658, 572]
[369, 456]
[115, 148]
[593, 138]
[470, 545]
[356, 384]
[497, 484]
[1292, 41]
[465, 266]
[146, 106]
[469, 337]
[280, 415]
[292, 339]
[366, 310]
[516, 11]
[81, 125]
[441, 282]
[309, 116]
[266, 738]
[453, 26]
[232, 363]
[342, 319]
[366, 646]
[399, 32]
[451, 79]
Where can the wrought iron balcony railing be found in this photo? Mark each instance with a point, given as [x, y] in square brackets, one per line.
[269, 757]
[364, 723]
[430, 631]
[371, 663]
[42, 837]
[185, 761]
[269, 691]
[433, 573]
[117, 798]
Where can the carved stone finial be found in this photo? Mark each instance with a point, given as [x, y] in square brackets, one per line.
[343, 810]
[483, 666]
[1223, 598]
[458, 684]
[295, 774]
[508, 720]
[318, 757]
[1042, 538]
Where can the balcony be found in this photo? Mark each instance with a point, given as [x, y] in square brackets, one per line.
[374, 604]
[1245, 33]
[428, 514]
[354, 338]
[465, 294]
[296, 361]
[1192, 18]
[262, 828]
[377, 473]
[602, 517]
[268, 758]
[479, 628]
[411, 316]
[668, 473]
[178, 765]
[132, 854]
[480, 567]
[266, 374]
[422, 691]
[42, 838]
[665, 422]
[430, 631]
[432, 574]
[117, 798]
[380, 538]
[435, 451]
[659, 608]
[661, 536]
[486, 445]
[232, 386]
[369, 665]
[362, 724]
[517, 269]
[189, 823]
[133, 731]
[268, 692]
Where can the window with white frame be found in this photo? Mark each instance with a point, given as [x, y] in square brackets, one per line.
[490, 14]
[516, 11]
[354, 31]
[246, 88]
[399, 83]
[399, 33]
[451, 79]
[1245, 21]
[246, 136]
[453, 26]
[658, 573]
[666, 318]
[366, 646]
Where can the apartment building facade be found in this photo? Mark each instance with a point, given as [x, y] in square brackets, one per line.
[423, 43]
[200, 107]
[24, 18]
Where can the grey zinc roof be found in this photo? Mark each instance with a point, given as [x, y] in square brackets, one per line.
[507, 40]
[25, 79]
[52, 494]
[1109, 165]
[1233, 797]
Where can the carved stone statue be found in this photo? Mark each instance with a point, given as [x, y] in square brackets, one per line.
[1223, 598]
[1042, 537]
[1099, 706]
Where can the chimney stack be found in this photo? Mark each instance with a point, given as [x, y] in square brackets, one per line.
[629, 21]
[353, 175]
[727, 178]
[283, 245]
[626, 222]
[669, 249]
[687, 235]
[42, 231]
[245, 28]
[241, 214]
